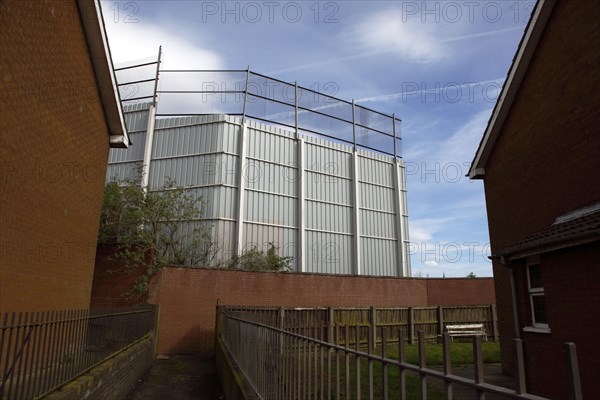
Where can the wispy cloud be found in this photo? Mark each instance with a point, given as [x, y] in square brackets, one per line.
[482, 34]
[405, 94]
[423, 230]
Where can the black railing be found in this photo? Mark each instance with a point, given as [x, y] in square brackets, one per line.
[259, 97]
[308, 363]
[43, 350]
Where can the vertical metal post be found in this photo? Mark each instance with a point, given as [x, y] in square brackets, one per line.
[573, 379]
[337, 364]
[478, 365]
[347, 356]
[245, 95]
[357, 368]
[150, 129]
[356, 185]
[301, 251]
[401, 357]
[371, 345]
[401, 218]
[148, 147]
[447, 365]
[156, 77]
[296, 108]
[353, 127]
[384, 366]
[520, 385]
[241, 183]
[422, 365]
[394, 131]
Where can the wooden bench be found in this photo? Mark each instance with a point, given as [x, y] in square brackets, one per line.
[465, 330]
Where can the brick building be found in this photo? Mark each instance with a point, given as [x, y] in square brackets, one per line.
[60, 113]
[539, 162]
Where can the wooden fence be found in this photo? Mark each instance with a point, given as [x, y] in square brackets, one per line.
[408, 320]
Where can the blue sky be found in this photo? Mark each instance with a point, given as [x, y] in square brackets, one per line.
[438, 65]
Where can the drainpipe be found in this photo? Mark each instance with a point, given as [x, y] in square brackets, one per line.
[513, 292]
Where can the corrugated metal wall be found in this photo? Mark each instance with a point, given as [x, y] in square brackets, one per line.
[298, 194]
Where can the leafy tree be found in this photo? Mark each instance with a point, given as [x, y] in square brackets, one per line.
[144, 228]
[471, 275]
[256, 260]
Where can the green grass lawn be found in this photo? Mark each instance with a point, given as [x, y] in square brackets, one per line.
[461, 353]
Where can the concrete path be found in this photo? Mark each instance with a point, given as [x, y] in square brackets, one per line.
[492, 375]
[180, 378]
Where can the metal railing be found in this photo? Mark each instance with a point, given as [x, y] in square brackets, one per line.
[279, 364]
[259, 97]
[43, 350]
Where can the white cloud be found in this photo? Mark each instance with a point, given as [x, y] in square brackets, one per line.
[431, 263]
[386, 31]
[422, 230]
[130, 42]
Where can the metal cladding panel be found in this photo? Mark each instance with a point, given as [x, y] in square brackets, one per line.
[377, 197]
[135, 152]
[271, 182]
[328, 188]
[193, 171]
[329, 217]
[170, 122]
[223, 234]
[123, 171]
[186, 140]
[216, 201]
[136, 117]
[270, 146]
[379, 257]
[328, 160]
[270, 177]
[376, 171]
[260, 236]
[373, 223]
[328, 253]
[271, 209]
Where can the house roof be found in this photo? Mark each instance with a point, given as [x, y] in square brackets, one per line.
[516, 74]
[572, 229]
[95, 32]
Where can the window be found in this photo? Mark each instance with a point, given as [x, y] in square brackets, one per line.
[535, 287]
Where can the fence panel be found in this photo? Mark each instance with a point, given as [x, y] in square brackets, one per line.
[42, 350]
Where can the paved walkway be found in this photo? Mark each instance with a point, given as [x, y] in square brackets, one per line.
[179, 378]
[492, 375]
[195, 378]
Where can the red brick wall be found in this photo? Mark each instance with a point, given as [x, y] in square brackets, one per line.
[52, 157]
[460, 291]
[188, 296]
[545, 162]
[572, 305]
